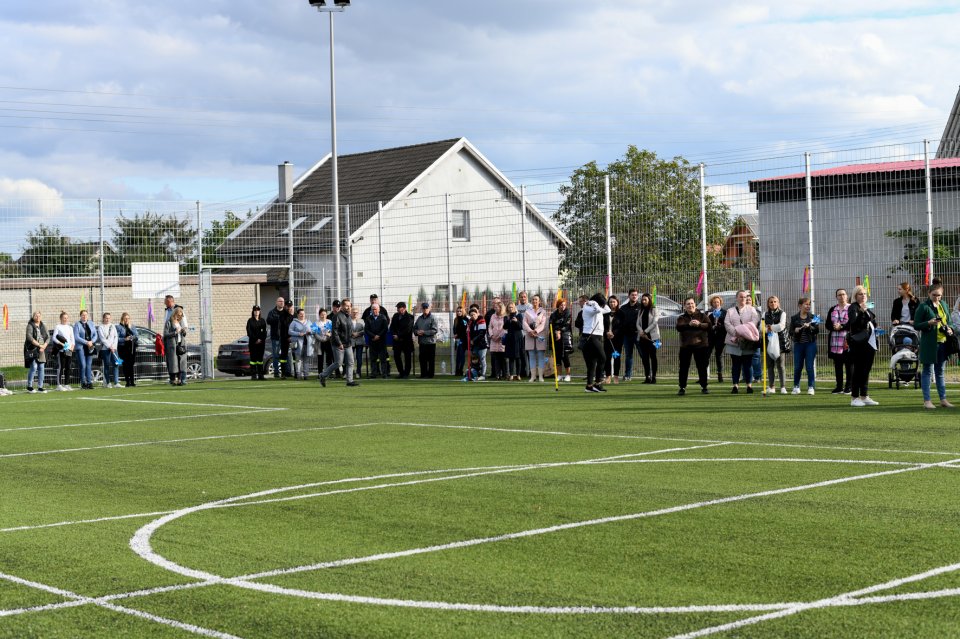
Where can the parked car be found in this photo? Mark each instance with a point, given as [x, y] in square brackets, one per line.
[234, 358]
[730, 299]
[149, 365]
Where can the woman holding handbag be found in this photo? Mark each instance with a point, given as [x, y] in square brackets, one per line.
[741, 322]
[936, 330]
[776, 322]
[862, 339]
[35, 352]
[63, 343]
[175, 345]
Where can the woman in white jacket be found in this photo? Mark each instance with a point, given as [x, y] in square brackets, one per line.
[63, 344]
[591, 341]
[742, 339]
[107, 336]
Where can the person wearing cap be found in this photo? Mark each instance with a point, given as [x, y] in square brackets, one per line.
[273, 323]
[341, 340]
[375, 327]
[425, 328]
[257, 341]
[401, 327]
[374, 299]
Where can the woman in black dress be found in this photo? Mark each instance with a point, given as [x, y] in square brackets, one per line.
[257, 340]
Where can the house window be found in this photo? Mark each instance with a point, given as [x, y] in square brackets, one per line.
[461, 225]
[739, 249]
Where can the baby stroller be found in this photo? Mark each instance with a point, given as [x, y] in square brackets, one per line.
[904, 364]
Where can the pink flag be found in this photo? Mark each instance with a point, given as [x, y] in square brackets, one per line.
[700, 283]
[806, 279]
[150, 316]
[928, 272]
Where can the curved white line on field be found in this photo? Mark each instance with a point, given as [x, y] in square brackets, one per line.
[140, 544]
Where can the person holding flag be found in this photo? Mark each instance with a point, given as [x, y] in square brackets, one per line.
[804, 327]
[648, 336]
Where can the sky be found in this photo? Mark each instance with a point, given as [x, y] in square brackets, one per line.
[187, 100]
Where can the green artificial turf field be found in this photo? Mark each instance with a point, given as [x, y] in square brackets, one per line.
[444, 509]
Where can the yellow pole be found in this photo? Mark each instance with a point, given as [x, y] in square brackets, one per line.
[556, 374]
[763, 335]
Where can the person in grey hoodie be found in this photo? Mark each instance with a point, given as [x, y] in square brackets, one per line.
[425, 328]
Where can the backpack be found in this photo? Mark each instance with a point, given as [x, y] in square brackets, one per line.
[158, 348]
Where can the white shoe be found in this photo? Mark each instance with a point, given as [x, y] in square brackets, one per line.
[566, 378]
[811, 391]
[796, 390]
[857, 402]
[783, 391]
[771, 391]
[481, 379]
[869, 402]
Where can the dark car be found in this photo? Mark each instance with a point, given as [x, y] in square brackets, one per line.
[234, 358]
[149, 365]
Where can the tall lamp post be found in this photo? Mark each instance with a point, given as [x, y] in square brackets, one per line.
[338, 6]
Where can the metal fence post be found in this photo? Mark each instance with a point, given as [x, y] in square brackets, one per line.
[100, 226]
[446, 236]
[523, 237]
[703, 235]
[291, 277]
[809, 187]
[380, 249]
[606, 219]
[206, 362]
[928, 267]
[346, 218]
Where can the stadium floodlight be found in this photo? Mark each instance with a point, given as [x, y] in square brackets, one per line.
[340, 5]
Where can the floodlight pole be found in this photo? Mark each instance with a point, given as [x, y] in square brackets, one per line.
[929, 192]
[333, 154]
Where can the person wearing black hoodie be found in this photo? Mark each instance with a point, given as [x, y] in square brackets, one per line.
[286, 319]
[273, 323]
[257, 342]
[376, 327]
[628, 314]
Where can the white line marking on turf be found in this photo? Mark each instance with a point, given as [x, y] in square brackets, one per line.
[844, 599]
[140, 544]
[81, 600]
[155, 401]
[181, 440]
[472, 472]
[140, 421]
[669, 439]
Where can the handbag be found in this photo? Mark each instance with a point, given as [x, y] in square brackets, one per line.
[860, 337]
[181, 348]
[952, 345]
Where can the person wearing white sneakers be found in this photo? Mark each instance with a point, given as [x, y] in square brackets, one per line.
[109, 341]
[64, 344]
[862, 338]
[35, 352]
[933, 321]
[804, 327]
[776, 322]
[561, 322]
[535, 337]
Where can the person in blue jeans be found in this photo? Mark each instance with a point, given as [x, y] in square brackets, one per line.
[628, 314]
[804, 328]
[85, 338]
[933, 321]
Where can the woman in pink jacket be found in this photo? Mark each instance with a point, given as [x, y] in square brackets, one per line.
[743, 334]
[496, 332]
[535, 333]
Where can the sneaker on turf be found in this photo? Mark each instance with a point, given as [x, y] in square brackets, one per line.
[869, 402]
[857, 402]
[481, 379]
[41, 390]
[30, 389]
[783, 390]
[566, 378]
[796, 390]
[771, 391]
[599, 389]
[811, 391]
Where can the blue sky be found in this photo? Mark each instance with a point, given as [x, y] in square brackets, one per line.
[200, 100]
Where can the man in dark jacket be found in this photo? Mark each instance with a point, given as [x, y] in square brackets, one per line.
[341, 339]
[286, 319]
[273, 322]
[375, 329]
[628, 321]
[401, 327]
[374, 300]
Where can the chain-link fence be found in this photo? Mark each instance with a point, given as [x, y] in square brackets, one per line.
[792, 226]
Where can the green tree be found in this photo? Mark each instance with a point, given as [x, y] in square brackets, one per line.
[49, 253]
[151, 237]
[654, 221]
[216, 235]
[946, 251]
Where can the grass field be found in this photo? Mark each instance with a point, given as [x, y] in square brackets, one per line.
[409, 509]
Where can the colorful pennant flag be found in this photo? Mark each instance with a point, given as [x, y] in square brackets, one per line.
[303, 302]
[514, 292]
[606, 285]
[463, 300]
[753, 293]
[928, 272]
[6, 318]
[653, 295]
[806, 279]
[150, 317]
[83, 302]
[483, 307]
[410, 302]
[700, 283]
[866, 283]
